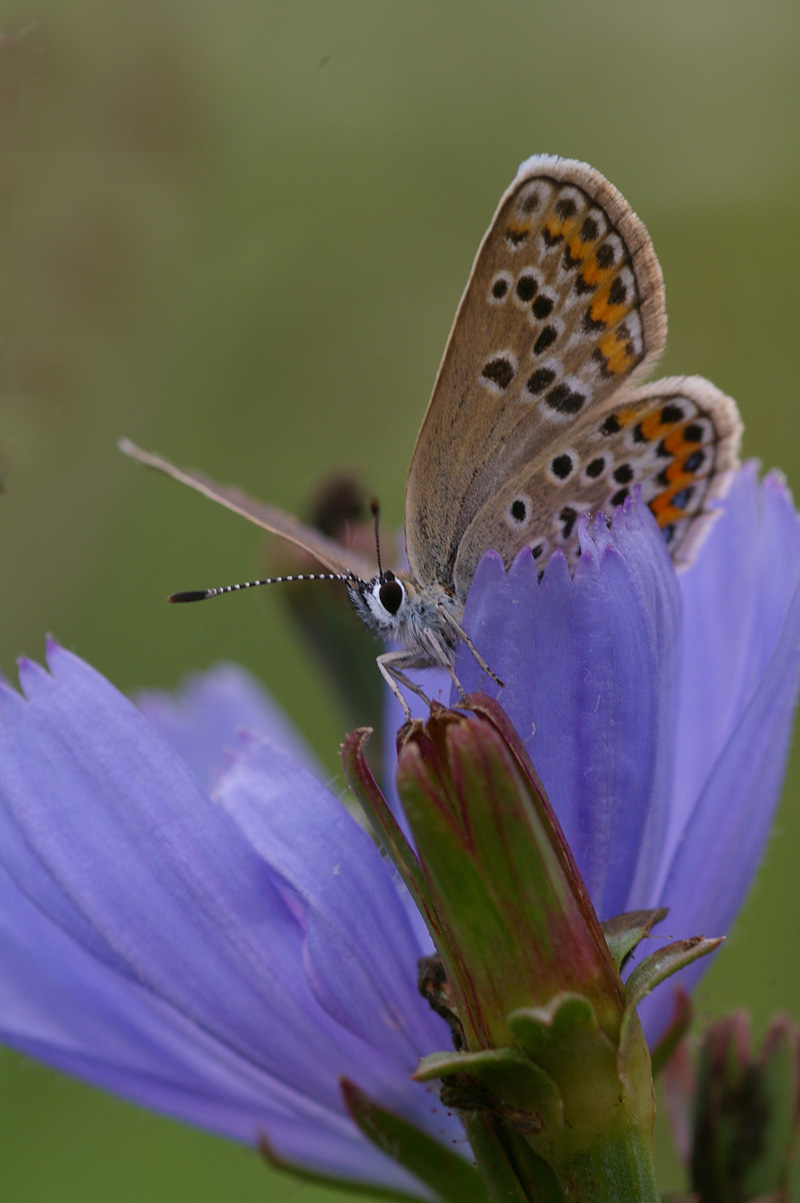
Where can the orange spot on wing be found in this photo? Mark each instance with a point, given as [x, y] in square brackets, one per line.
[652, 426]
[677, 445]
[517, 231]
[578, 249]
[602, 310]
[662, 508]
[679, 479]
[615, 351]
[595, 275]
[664, 512]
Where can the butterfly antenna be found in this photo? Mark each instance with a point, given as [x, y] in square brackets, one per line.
[194, 595]
[374, 506]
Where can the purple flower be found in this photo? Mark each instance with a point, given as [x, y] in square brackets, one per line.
[226, 958]
[657, 708]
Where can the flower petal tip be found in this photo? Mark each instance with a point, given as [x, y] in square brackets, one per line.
[556, 569]
[523, 573]
[776, 484]
[31, 675]
[51, 646]
[490, 570]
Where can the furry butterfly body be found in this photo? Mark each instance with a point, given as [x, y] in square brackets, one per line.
[536, 417]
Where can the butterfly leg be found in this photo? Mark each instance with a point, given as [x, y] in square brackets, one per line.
[391, 665]
[457, 628]
[461, 691]
[435, 652]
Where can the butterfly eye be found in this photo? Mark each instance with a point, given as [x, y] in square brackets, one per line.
[391, 594]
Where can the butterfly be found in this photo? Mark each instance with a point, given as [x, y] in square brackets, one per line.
[536, 418]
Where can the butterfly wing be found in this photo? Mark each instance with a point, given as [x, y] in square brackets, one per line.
[677, 439]
[327, 551]
[564, 304]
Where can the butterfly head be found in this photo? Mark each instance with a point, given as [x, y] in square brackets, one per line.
[380, 602]
[422, 618]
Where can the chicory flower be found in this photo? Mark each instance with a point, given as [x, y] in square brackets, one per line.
[220, 941]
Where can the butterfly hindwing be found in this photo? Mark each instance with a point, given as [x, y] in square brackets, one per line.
[564, 305]
[677, 439]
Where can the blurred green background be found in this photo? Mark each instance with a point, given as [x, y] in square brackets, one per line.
[238, 234]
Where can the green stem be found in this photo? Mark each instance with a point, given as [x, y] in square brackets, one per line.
[615, 1170]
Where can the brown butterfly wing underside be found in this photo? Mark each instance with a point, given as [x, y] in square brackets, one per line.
[533, 418]
[331, 554]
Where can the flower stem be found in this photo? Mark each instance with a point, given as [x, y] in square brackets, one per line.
[615, 1170]
[514, 1173]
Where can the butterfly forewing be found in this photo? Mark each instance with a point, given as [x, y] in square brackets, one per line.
[327, 551]
[677, 439]
[563, 306]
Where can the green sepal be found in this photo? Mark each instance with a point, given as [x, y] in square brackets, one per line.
[524, 854]
[486, 947]
[301, 1172]
[547, 1032]
[450, 1177]
[385, 825]
[566, 1042]
[624, 932]
[677, 1028]
[441, 1065]
[508, 1080]
[659, 966]
[513, 1172]
[599, 1138]
[504, 885]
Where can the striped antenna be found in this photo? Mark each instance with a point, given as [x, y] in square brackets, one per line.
[193, 595]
